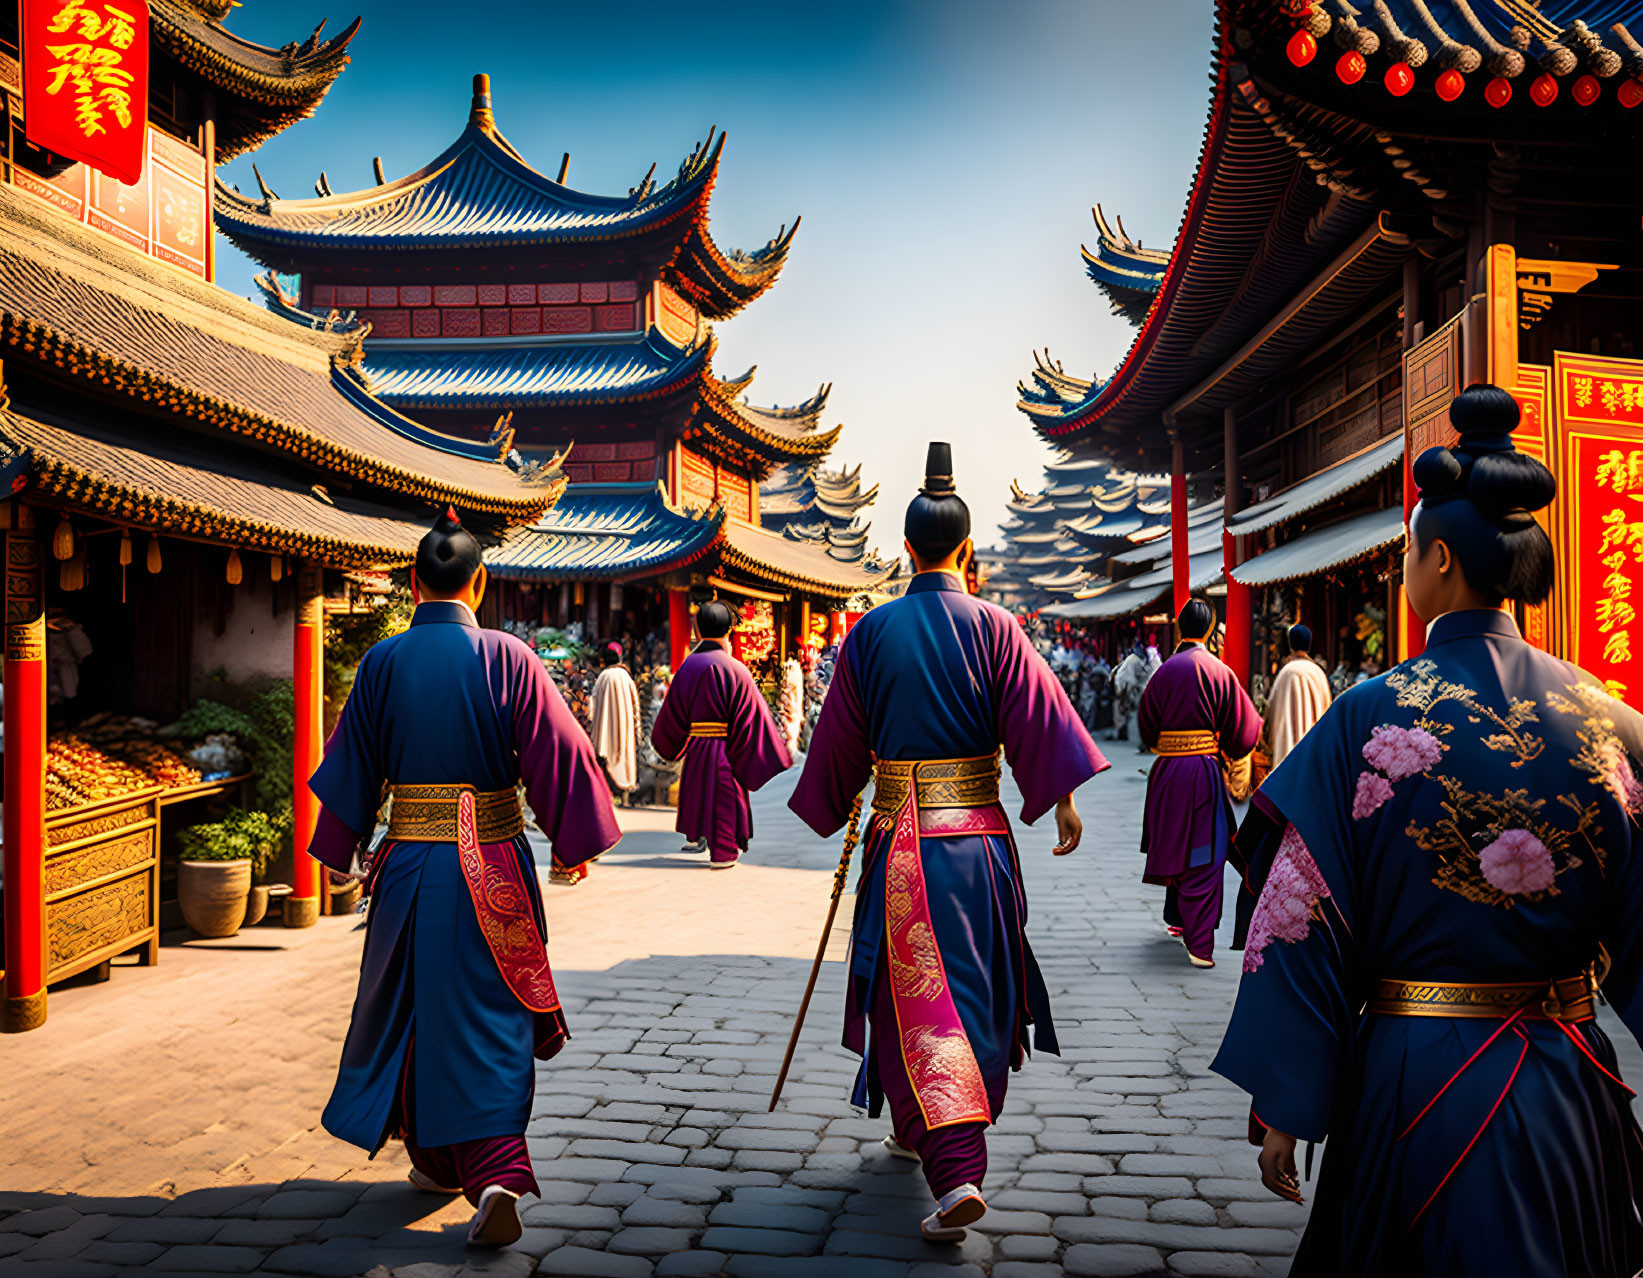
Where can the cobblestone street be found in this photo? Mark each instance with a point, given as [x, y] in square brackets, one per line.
[167, 1121]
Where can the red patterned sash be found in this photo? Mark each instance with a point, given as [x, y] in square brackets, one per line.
[940, 1063]
[502, 905]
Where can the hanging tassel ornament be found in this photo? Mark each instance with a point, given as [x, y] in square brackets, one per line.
[62, 541]
[71, 575]
[276, 567]
[125, 560]
[153, 560]
[236, 573]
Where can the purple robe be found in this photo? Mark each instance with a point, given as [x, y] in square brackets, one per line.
[1188, 822]
[449, 703]
[711, 686]
[938, 674]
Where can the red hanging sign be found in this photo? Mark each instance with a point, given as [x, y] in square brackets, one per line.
[85, 81]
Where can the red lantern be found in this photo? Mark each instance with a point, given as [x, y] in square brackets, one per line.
[1351, 66]
[1399, 79]
[1543, 92]
[1630, 94]
[1302, 48]
[1450, 85]
[1498, 92]
[1586, 90]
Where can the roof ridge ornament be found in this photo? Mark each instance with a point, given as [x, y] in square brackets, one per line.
[480, 116]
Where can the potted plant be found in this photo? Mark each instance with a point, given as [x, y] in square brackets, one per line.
[216, 870]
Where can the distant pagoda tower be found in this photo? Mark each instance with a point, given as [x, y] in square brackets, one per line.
[813, 504]
[503, 304]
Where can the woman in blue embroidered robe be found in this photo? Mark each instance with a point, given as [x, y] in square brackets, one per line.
[1433, 871]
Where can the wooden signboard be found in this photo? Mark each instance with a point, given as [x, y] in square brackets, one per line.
[1599, 418]
[1431, 379]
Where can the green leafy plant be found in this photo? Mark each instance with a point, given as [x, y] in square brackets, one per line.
[264, 722]
[240, 836]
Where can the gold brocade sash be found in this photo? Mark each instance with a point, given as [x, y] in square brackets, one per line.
[1571, 999]
[935, 1050]
[428, 814]
[1179, 745]
[502, 904]
[713, 731]
[942, 783]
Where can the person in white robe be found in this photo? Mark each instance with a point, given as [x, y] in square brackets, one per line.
[1300, 695]
[615, 722]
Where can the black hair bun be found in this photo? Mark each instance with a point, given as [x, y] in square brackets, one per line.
[1437, 473]
[1508, 486]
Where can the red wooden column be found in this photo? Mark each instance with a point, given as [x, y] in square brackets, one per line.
[308, 674]
[1178, 525]
[1410, 629]
[678, 627]
[1235, 650]
[25, 774]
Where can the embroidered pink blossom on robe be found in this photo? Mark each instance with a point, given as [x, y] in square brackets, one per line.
[1373, 790]
[1402, 752]
[1517, 863]
[1620, 779]
[1284, 912]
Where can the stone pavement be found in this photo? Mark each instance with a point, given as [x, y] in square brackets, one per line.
[167, 1121]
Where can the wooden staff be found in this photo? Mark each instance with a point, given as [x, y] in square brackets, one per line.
[851, 835]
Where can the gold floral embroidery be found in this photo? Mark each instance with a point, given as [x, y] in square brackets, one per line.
[1419, 686]
[950, 1079]
[1602, 755]
[922, 978]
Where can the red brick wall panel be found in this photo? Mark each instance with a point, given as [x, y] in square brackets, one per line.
[416, 295]
[455, 295]
[595, 292]
[525, 319]
[578, 474]
[567, 319]
[636, 448]
[325, 295]
[556, 294]
[644, 469]
[595, 452]
[521, 295]
[611, 472]
[624, 290]
[460, 322]
[352, 295]
[425, 323]
[394, 323]
[384, 295]
[614, 319]
[494, 321]
[493, 294]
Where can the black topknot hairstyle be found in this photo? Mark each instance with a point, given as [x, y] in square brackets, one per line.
[448, 555]
[1300, 638]
[1196, 621]
[937, 521]
[1479, 498]
[714, 619]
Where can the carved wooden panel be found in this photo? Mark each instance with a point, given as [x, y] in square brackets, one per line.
[98, 860]
[75, 831]
[97, 919]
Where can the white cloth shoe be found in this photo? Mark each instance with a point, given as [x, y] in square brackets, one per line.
[496, 1222]
[896, 1149]
[427, 1184]
[957, 1208]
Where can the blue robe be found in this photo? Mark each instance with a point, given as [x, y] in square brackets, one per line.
[448, 703]
[938, 674]
[1469, 817]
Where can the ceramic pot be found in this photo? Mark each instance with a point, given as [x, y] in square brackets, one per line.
[213, 895]
[256, 905]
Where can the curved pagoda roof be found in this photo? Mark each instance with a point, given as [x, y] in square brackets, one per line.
[480, 193]
[1127, 273]
[150, 399]
[1310, 192]
[259, 90]
[608, 532]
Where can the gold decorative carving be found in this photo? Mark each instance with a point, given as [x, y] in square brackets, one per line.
[96, 919]
[70, 869]
[75, 831]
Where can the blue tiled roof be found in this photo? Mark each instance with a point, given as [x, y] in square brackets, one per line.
[606, 532]
[478, 192]
[538, 376]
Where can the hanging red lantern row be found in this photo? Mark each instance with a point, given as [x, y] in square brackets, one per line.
[1498, 92]
[1543, 92]
[1350, 67]
[1302, 48]
[1399, 79]
[1450, 85]
[1629, 94]
[1586, 90]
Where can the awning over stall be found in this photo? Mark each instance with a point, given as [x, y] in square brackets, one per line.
[1324, 548]
[1315, 490]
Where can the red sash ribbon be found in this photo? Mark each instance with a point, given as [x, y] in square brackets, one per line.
[502, 904]
[940, 1063]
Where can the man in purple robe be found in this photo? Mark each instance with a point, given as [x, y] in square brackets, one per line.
[716, 717]
[942, 983]
[1193, 714]
[455, 992]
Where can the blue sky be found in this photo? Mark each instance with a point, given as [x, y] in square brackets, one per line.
[944, 157]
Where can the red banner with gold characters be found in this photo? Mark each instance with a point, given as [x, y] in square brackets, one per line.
[1600, 547]
[85, 82]
[1533, 394]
